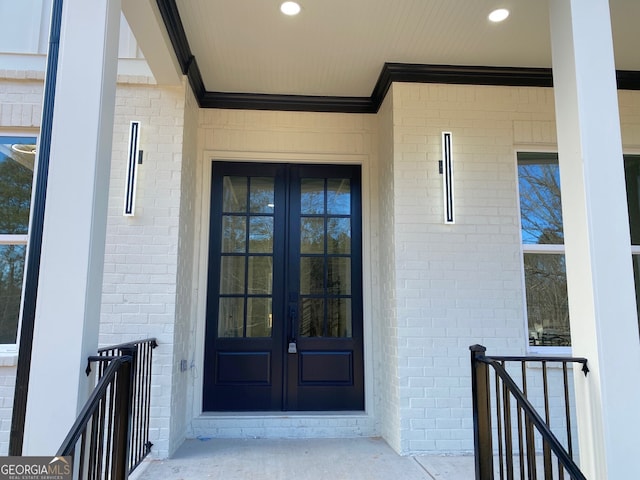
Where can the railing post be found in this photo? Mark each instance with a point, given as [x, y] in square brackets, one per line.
[481, 414]
[122, 421]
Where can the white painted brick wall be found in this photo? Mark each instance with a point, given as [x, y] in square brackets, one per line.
[142, 254]
[293, 137]
[461, 284]
[20, 99]
[436, 289]
[185, 308]
[386, 341]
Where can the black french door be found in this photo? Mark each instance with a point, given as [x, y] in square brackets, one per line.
[284, 300]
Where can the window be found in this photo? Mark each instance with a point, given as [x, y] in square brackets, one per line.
[632, 178]
[543, 249]
[17, 156]
[543, 244]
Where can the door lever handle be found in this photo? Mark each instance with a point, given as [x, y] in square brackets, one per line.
[293, 317]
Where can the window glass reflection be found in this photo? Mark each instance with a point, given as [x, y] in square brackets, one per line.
[547, 304]
[338, 196]
[540, 204]
[234, 194]
[312, 196]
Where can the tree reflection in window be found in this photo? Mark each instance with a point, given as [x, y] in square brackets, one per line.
[17, 157]
[544, 262]
[325, 257]
[246, 270]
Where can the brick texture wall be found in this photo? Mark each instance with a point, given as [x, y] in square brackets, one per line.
[387, 341]
[431, 289]
[142, 255]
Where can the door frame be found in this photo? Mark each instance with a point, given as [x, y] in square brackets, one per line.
[200, 267]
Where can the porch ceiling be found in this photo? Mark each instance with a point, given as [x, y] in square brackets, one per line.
[338, 48]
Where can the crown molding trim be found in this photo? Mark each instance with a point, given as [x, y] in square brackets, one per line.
[390, 73]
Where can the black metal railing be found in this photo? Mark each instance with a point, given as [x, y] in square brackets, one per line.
[512, 437]
[139, 444]
[111, 434]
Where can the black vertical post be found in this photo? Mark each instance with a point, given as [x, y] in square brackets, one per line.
[481, 414]
[32, 268]
[123, 413]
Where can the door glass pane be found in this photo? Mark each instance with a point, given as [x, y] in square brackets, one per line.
[11, 271]
[231, 317]
[547, 309]
[259, 317]
[339, 317]
[234, 234]
[312, 235]
[338, 196]
[311, 317]
[232, 275]
[234, 194]
[339, 235]
[312, 275]
[260, 275]
[261, 196]
[339, 276]
[312, 196]
[261, 234]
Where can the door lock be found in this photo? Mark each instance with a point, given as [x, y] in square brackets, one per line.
[293, 347]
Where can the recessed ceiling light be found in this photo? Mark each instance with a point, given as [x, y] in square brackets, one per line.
[290, 8]
[499, 15]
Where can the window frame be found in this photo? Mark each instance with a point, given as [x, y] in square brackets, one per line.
[552, 249]
[535, 248]
[28, 137]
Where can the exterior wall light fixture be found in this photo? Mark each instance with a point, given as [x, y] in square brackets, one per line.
[134, 158]
[446, 169]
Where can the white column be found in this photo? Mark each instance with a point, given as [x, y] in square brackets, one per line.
[68, 303]
[602, 304]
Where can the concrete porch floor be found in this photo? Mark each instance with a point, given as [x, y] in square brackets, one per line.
[308, 459]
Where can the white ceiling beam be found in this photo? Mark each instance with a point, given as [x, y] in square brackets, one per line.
[146, 23]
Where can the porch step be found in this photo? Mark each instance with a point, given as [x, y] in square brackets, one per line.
[279, 425]
[311, 459]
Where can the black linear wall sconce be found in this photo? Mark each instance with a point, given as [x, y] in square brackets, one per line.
[133, 160]
[447, 178]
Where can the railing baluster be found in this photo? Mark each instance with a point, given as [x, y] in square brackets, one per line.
[531, 450]
[546, 451]
[122, 418]
[499, 425]
[567, 408]
[508, 444]
[520, 431]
